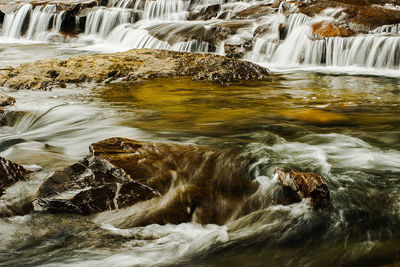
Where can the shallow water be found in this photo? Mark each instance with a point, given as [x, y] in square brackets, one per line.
[347, 128]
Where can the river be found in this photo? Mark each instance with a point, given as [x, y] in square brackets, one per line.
[340, 122]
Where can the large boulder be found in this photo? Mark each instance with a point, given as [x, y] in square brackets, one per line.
[305, 185]
[10, 173]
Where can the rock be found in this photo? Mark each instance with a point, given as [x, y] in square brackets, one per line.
[355, 16]
[237, 51]
[266, 28]
[90, 186]
[132, 65]
[10, 173]
[205, 13]
[2, 15]
[256, 11]
[6, 100]
[179, 183]
[305, 185]
[324, 29]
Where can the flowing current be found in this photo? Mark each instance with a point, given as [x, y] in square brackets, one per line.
[315, 113]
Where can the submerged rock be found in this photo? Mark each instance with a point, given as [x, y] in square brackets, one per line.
[305, 185]
[10, 173]
[132, 65]
[90, 186]
[6, 100]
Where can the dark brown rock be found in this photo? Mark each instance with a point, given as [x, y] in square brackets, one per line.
[256, 11]
[205, 13]
[10, 173]
[90, 186]
[305, 185]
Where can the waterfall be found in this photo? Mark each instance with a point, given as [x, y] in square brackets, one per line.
[394, 28]
[40, 22]
[127, 37]
[295, 20]
[15, 22]
[165, 9]
[102, 21]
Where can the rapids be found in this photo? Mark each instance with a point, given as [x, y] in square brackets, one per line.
[331, 106]
[308, 121]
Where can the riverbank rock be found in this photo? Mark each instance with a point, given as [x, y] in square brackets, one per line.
[90, 186]
[132, 65]
[10, 173]
[305, 185]
[6, 100]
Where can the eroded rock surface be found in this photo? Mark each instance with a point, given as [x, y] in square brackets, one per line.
[305, 185]
[132, 65]
[90, 186]
[10, 173]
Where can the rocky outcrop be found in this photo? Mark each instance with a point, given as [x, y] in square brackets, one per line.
[6, 100]
[323, 29]
[305, 185]
[10, 173]
[354, 16]
[132, 65]
[90, 186]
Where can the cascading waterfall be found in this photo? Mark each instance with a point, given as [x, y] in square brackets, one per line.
[15, 22]
[40, 21]
[102, 21]
[287, 38]
[395, 28]
[165, 9]
[128, 37]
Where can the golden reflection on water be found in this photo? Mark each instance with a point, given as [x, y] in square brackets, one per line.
[302, 99]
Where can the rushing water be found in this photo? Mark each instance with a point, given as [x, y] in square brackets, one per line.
[346, 128]
[330, 106]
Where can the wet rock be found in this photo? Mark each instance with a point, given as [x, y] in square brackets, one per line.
[305, 185]
[264, 29]
[90, 186]
[2, 15]
[6, 100]
[10, 173]
[134, 64]
[205, 13]
[324, 29]
[356, 16]
[176, 183]
[237, 51]
[256, 11]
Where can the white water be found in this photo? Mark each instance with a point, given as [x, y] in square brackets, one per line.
[40, 21]
[163, 25]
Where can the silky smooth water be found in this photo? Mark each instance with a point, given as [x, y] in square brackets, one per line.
[346, 128]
